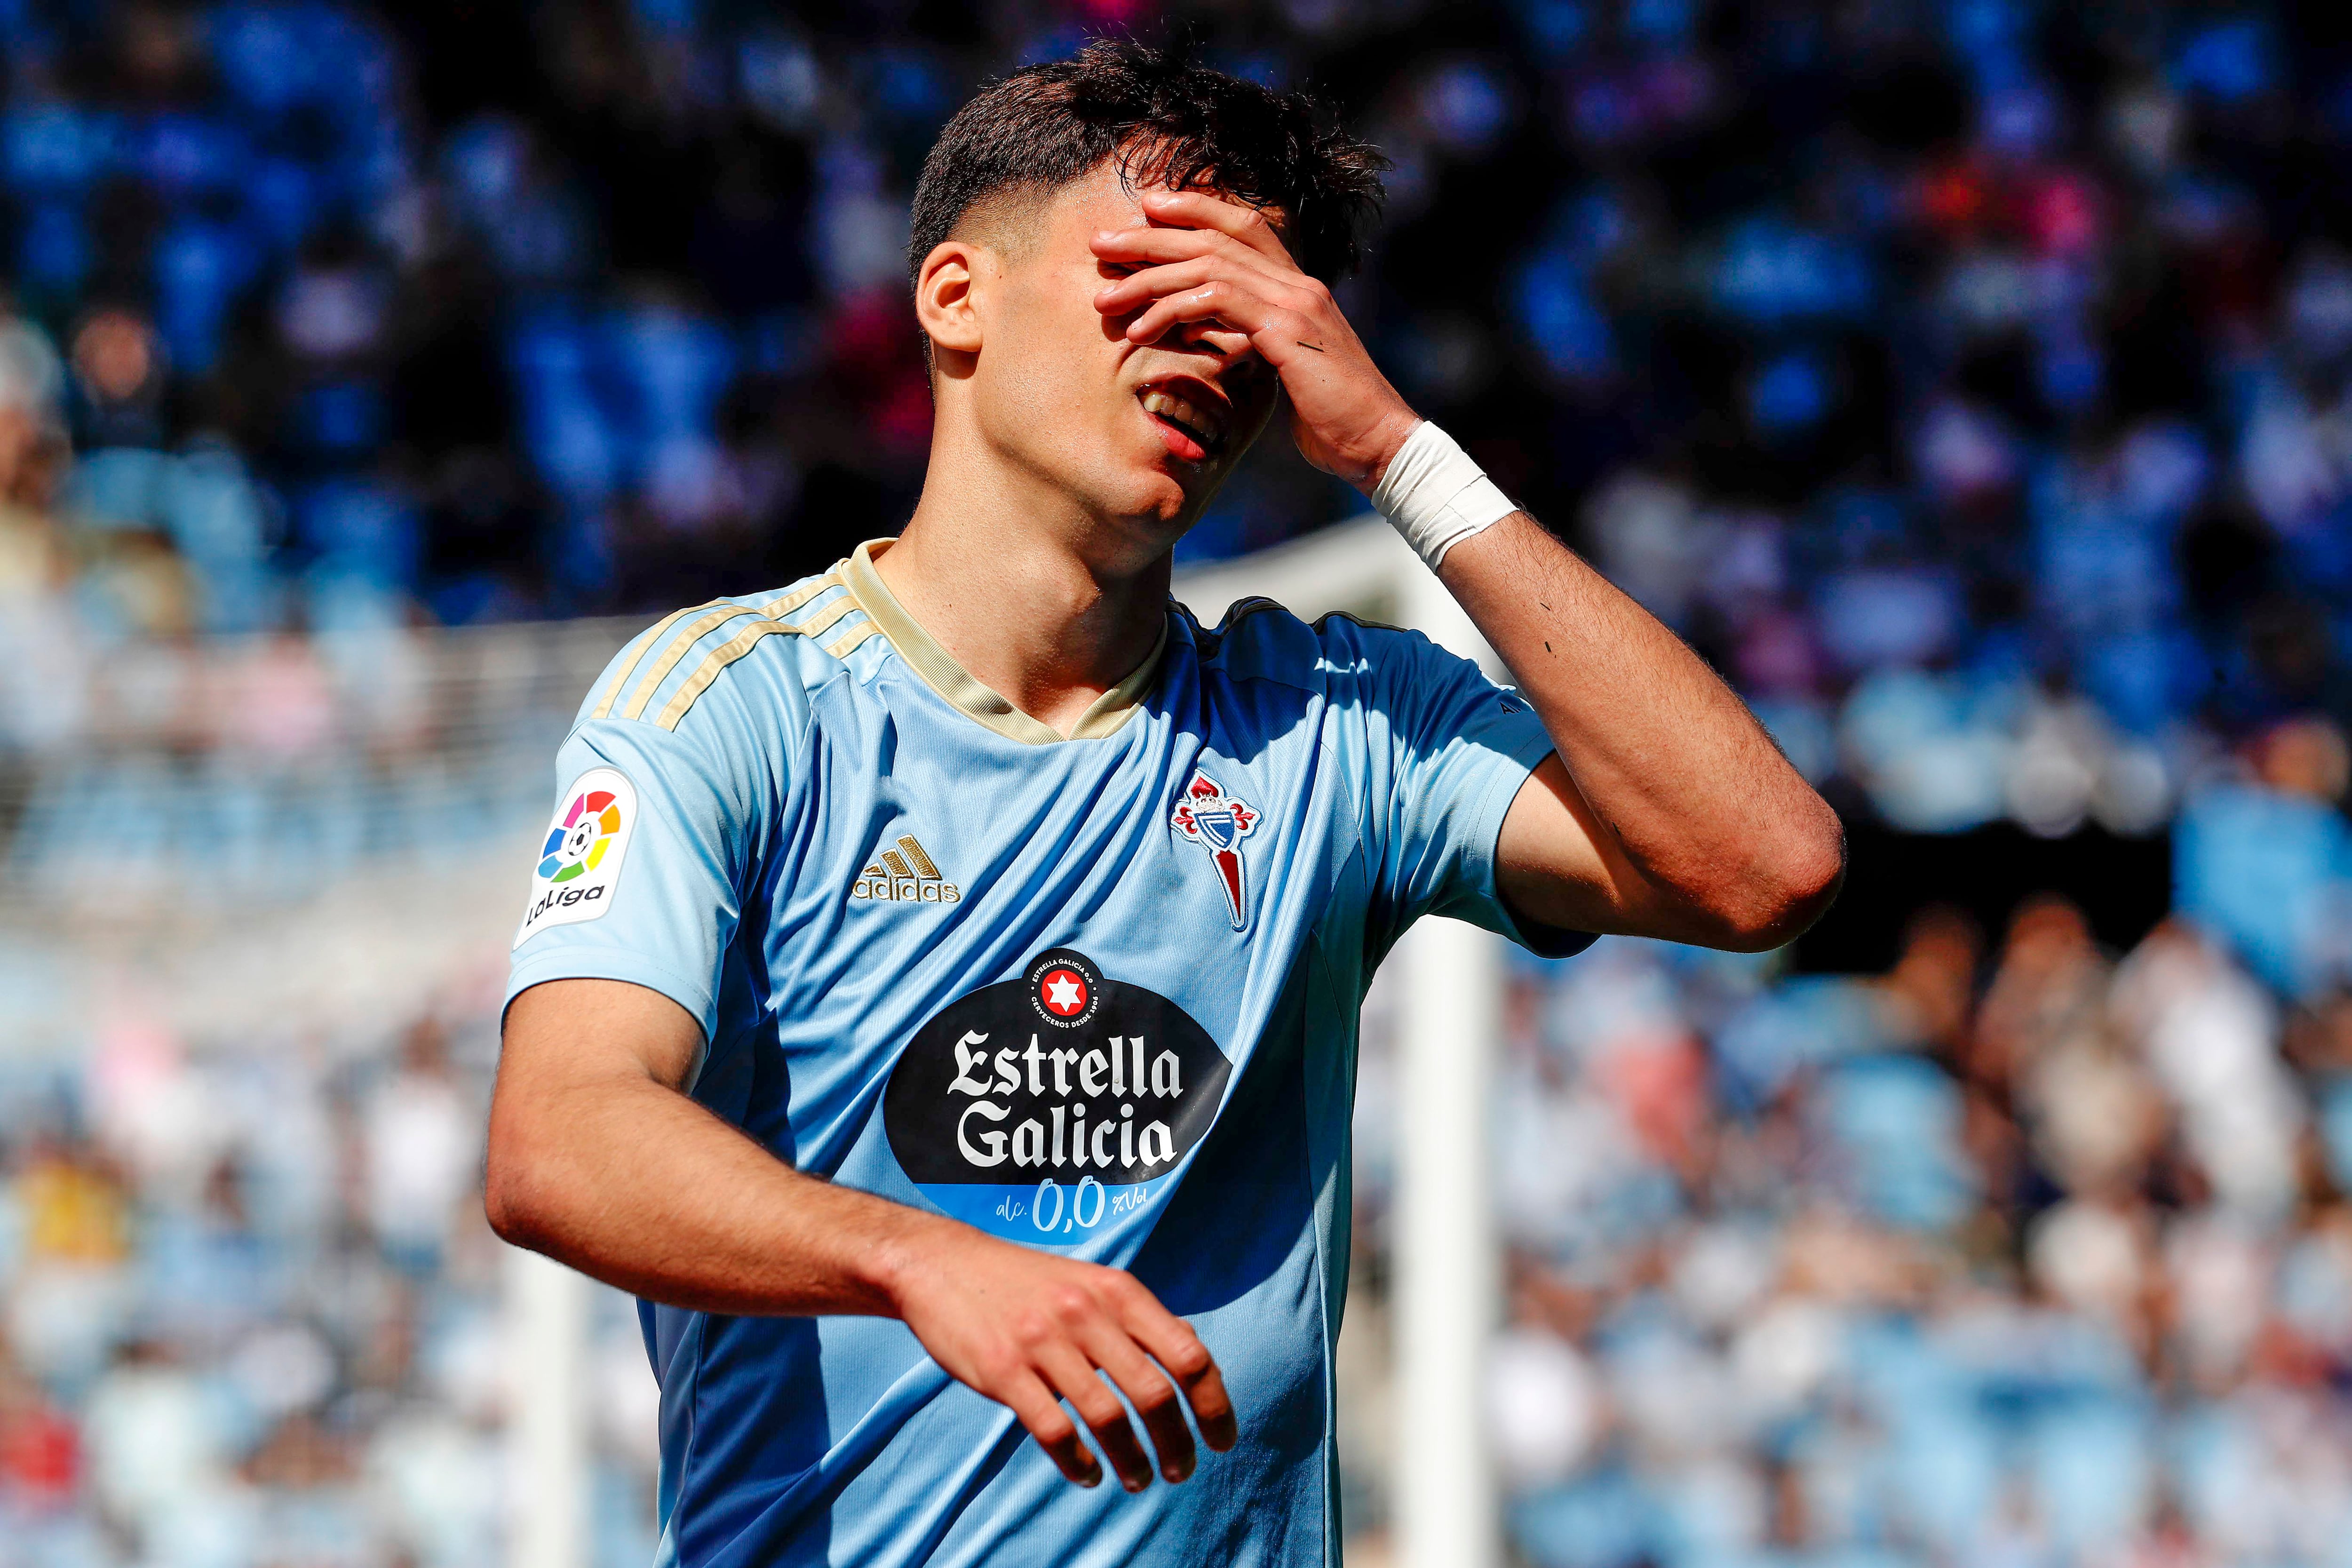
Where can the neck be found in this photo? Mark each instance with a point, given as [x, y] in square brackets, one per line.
[1045, 604]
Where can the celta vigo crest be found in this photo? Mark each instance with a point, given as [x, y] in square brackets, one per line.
[1206, 815]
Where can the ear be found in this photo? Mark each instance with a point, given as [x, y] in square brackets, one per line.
[944, 289]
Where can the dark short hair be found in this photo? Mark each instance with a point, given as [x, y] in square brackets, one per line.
[1177, 124]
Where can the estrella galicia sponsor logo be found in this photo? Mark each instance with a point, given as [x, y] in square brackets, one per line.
[580, 860]
[1046, 1108]
[905, 876]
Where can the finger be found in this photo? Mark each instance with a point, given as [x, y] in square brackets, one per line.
[1140, 289]
[1172, 1342]
[1220, 299]
[1148, 1389]
[1030, 1400]
[1222, 258]
[1075, 1378]
[1158, 244]
[1198, 209]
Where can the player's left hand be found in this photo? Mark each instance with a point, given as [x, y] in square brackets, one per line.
[1206, 258]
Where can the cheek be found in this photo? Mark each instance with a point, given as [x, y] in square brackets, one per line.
[1050, 361]
[1039, 398]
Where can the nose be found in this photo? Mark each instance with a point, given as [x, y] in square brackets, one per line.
[1213, 337]
[1239, 368]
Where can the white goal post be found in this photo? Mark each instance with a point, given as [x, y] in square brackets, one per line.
[1447, 1274]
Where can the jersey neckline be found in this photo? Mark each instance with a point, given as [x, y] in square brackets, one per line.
[965, 690]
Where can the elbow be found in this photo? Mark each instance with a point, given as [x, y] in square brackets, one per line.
[1788, 885]
[515, 1193]
[502, 1206]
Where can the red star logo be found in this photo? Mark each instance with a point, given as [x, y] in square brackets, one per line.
[1065, 993]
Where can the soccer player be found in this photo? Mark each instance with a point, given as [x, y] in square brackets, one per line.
[938, 996]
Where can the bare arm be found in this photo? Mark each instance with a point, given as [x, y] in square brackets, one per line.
[1674, 816]
[1668, 812]
[597, 1159]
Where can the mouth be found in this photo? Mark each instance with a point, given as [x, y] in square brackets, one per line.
[1195, 428]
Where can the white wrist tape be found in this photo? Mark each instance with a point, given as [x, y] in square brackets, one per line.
[1435, 496]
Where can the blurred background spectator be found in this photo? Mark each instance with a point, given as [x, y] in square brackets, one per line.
[1969, 380]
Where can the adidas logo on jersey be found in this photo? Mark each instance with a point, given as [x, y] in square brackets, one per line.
[905, 876]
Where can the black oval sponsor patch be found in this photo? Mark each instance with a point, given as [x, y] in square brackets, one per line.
[1041, 1107]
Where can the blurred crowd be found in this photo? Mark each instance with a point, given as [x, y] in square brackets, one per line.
[2029, 1256]
[1970, 380]
[253, 1314]
[1967, 376]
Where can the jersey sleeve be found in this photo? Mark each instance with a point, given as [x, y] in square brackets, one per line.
[641, 864]
[1450, 750]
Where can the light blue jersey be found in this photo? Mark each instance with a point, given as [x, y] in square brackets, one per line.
[1095, 995]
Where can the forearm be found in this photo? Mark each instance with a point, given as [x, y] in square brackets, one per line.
[634, 1184]
[597, 1159]
[1685, 783]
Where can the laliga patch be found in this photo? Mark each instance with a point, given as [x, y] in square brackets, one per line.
[580, 860]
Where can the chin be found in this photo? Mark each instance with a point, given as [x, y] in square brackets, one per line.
[1153, 506]
[1148, 514]
[1146, 491]
[1175, 510]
